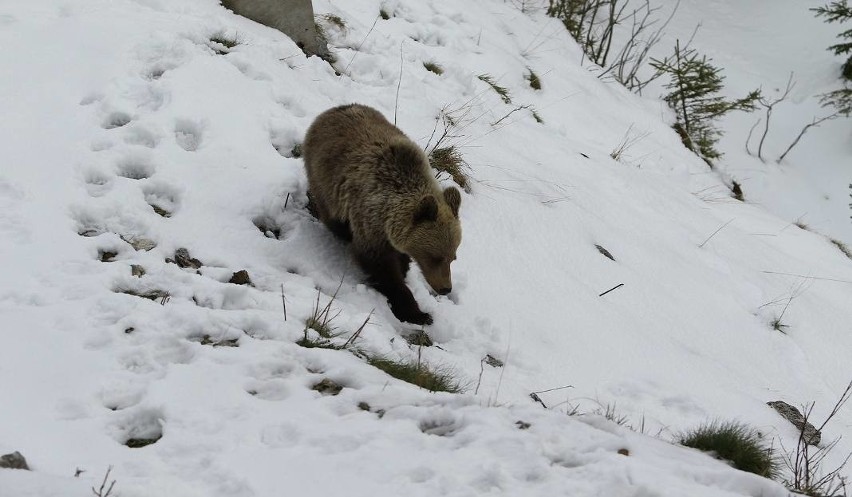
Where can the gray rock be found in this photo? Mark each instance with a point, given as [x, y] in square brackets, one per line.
[241, 277]
[142, 244]
[137, 270]
[295, 18]
[13, 461]
[328, 387]
[183, 259]
[811, 435]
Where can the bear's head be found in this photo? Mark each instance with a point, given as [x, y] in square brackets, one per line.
[434, 236]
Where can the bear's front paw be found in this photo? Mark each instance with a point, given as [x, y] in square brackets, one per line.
[412, 315]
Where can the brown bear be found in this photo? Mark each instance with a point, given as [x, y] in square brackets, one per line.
[372, 186]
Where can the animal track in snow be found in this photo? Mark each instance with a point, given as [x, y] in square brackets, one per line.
[97, 182]
[139, 428]
[116, 120]
[162, 197]
[120, 394]
[138, 135]
[91, 98]
[188, 134]
[286, 142]
[270, 380]
[249, 71]
[135, 166]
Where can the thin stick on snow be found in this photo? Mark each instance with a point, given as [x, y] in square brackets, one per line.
[358, 49]
[505, 362]
[398, 84]
[611, 289]
[283, 302]
[810, 277]
[554, 389]
[714, 233]
[479, 381]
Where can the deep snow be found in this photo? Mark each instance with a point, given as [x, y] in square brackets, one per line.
[111, 107]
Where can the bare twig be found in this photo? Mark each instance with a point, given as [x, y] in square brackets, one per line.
[100, 491]
[611, 289]
[359, 330]
[714, 233]
[283, 302]
[398, 84]
[814, 122]
[358, 49]
[479, 380]
[748, 138]
[769, 105]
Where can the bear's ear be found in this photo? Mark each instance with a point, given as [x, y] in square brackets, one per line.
[453, 198]
[427, 210]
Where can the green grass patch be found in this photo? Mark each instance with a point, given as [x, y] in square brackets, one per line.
[418, 373]
[736, 443]
[532, 77]
[222, 44]
[500, 90]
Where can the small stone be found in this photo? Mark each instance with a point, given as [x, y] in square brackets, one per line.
[144, 244]
[493, 361]
[108, 256]
[232, 342]
[159, 210]
[137, 270]
[241, 278]
[14, 461]
[183, 259]
[364, 406]
[137, 443]
[810, 434]
[624, 452]
[522, 425]
[327, 387]
[129, 330]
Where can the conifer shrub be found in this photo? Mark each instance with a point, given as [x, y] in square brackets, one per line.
[839, 11]
[695, 87]
[734, 442]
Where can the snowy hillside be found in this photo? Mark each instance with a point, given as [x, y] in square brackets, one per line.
[127, 134]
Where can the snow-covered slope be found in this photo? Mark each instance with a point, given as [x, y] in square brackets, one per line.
[111, 107]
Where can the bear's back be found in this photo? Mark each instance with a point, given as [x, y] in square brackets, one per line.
[354, 155]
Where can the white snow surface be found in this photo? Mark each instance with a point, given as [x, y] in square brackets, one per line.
[112, 106]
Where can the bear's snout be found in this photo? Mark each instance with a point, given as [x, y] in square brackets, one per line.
[444, 291]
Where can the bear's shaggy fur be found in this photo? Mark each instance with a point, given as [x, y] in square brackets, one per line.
[371, 185]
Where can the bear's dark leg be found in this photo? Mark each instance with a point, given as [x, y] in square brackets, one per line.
[384, 270]
[338, 228]
[404, 263]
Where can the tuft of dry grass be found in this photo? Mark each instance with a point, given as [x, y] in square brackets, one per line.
[500, 90]
[842, 247]
[433, 67]
[449, 160]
